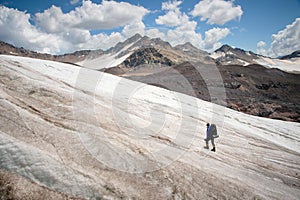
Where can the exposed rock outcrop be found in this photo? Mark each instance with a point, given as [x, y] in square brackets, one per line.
[147, 56]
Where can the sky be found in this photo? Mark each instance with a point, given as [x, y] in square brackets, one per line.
[267, 27]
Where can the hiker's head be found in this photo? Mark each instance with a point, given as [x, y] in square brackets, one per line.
[207, 124]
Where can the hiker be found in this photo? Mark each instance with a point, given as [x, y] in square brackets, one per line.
[211, 134]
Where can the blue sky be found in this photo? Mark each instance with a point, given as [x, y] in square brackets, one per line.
[269, 27]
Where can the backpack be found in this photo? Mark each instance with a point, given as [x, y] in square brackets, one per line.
[213, 130]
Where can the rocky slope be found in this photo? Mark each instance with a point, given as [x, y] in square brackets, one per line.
[146, 56]
[253, 89]
[78, 132]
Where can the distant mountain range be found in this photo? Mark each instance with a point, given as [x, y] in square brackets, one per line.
[74, 57]
[139, 50]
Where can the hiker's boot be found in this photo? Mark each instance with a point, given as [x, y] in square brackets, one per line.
[213, 149]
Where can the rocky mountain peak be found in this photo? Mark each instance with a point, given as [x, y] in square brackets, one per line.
[189, 47]
[134, 39]
[120, 45]
[137, 36]
[157, 43]
[226, 55]
[225, 48]
[228, 49]
[146, 56]
[186, 46]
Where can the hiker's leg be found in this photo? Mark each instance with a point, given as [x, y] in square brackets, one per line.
[213, 142]
[206, 142]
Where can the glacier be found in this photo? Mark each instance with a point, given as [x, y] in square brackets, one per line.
[94, 135]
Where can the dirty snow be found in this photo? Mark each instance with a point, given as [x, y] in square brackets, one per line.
[92, 134]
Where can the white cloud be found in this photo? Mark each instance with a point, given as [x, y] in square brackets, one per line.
[213, 36]
[261, 44]
[16, 29]
[261, 48]
[186, 24]
[53, 20]
[176, 37]
[74, 2]
[172, 18]
[217, 11]
[184, 30]
[154, 33]
[134, 28]
[91, 16]
[287, 40]
[284, 42]
[171, 5]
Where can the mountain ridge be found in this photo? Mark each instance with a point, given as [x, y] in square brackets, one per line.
[8, 49]
[225, 55]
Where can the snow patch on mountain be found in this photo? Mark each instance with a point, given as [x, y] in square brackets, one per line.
[292, 66]
[219, 54]
[216, 55]
[108, 60]
[104, 61]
